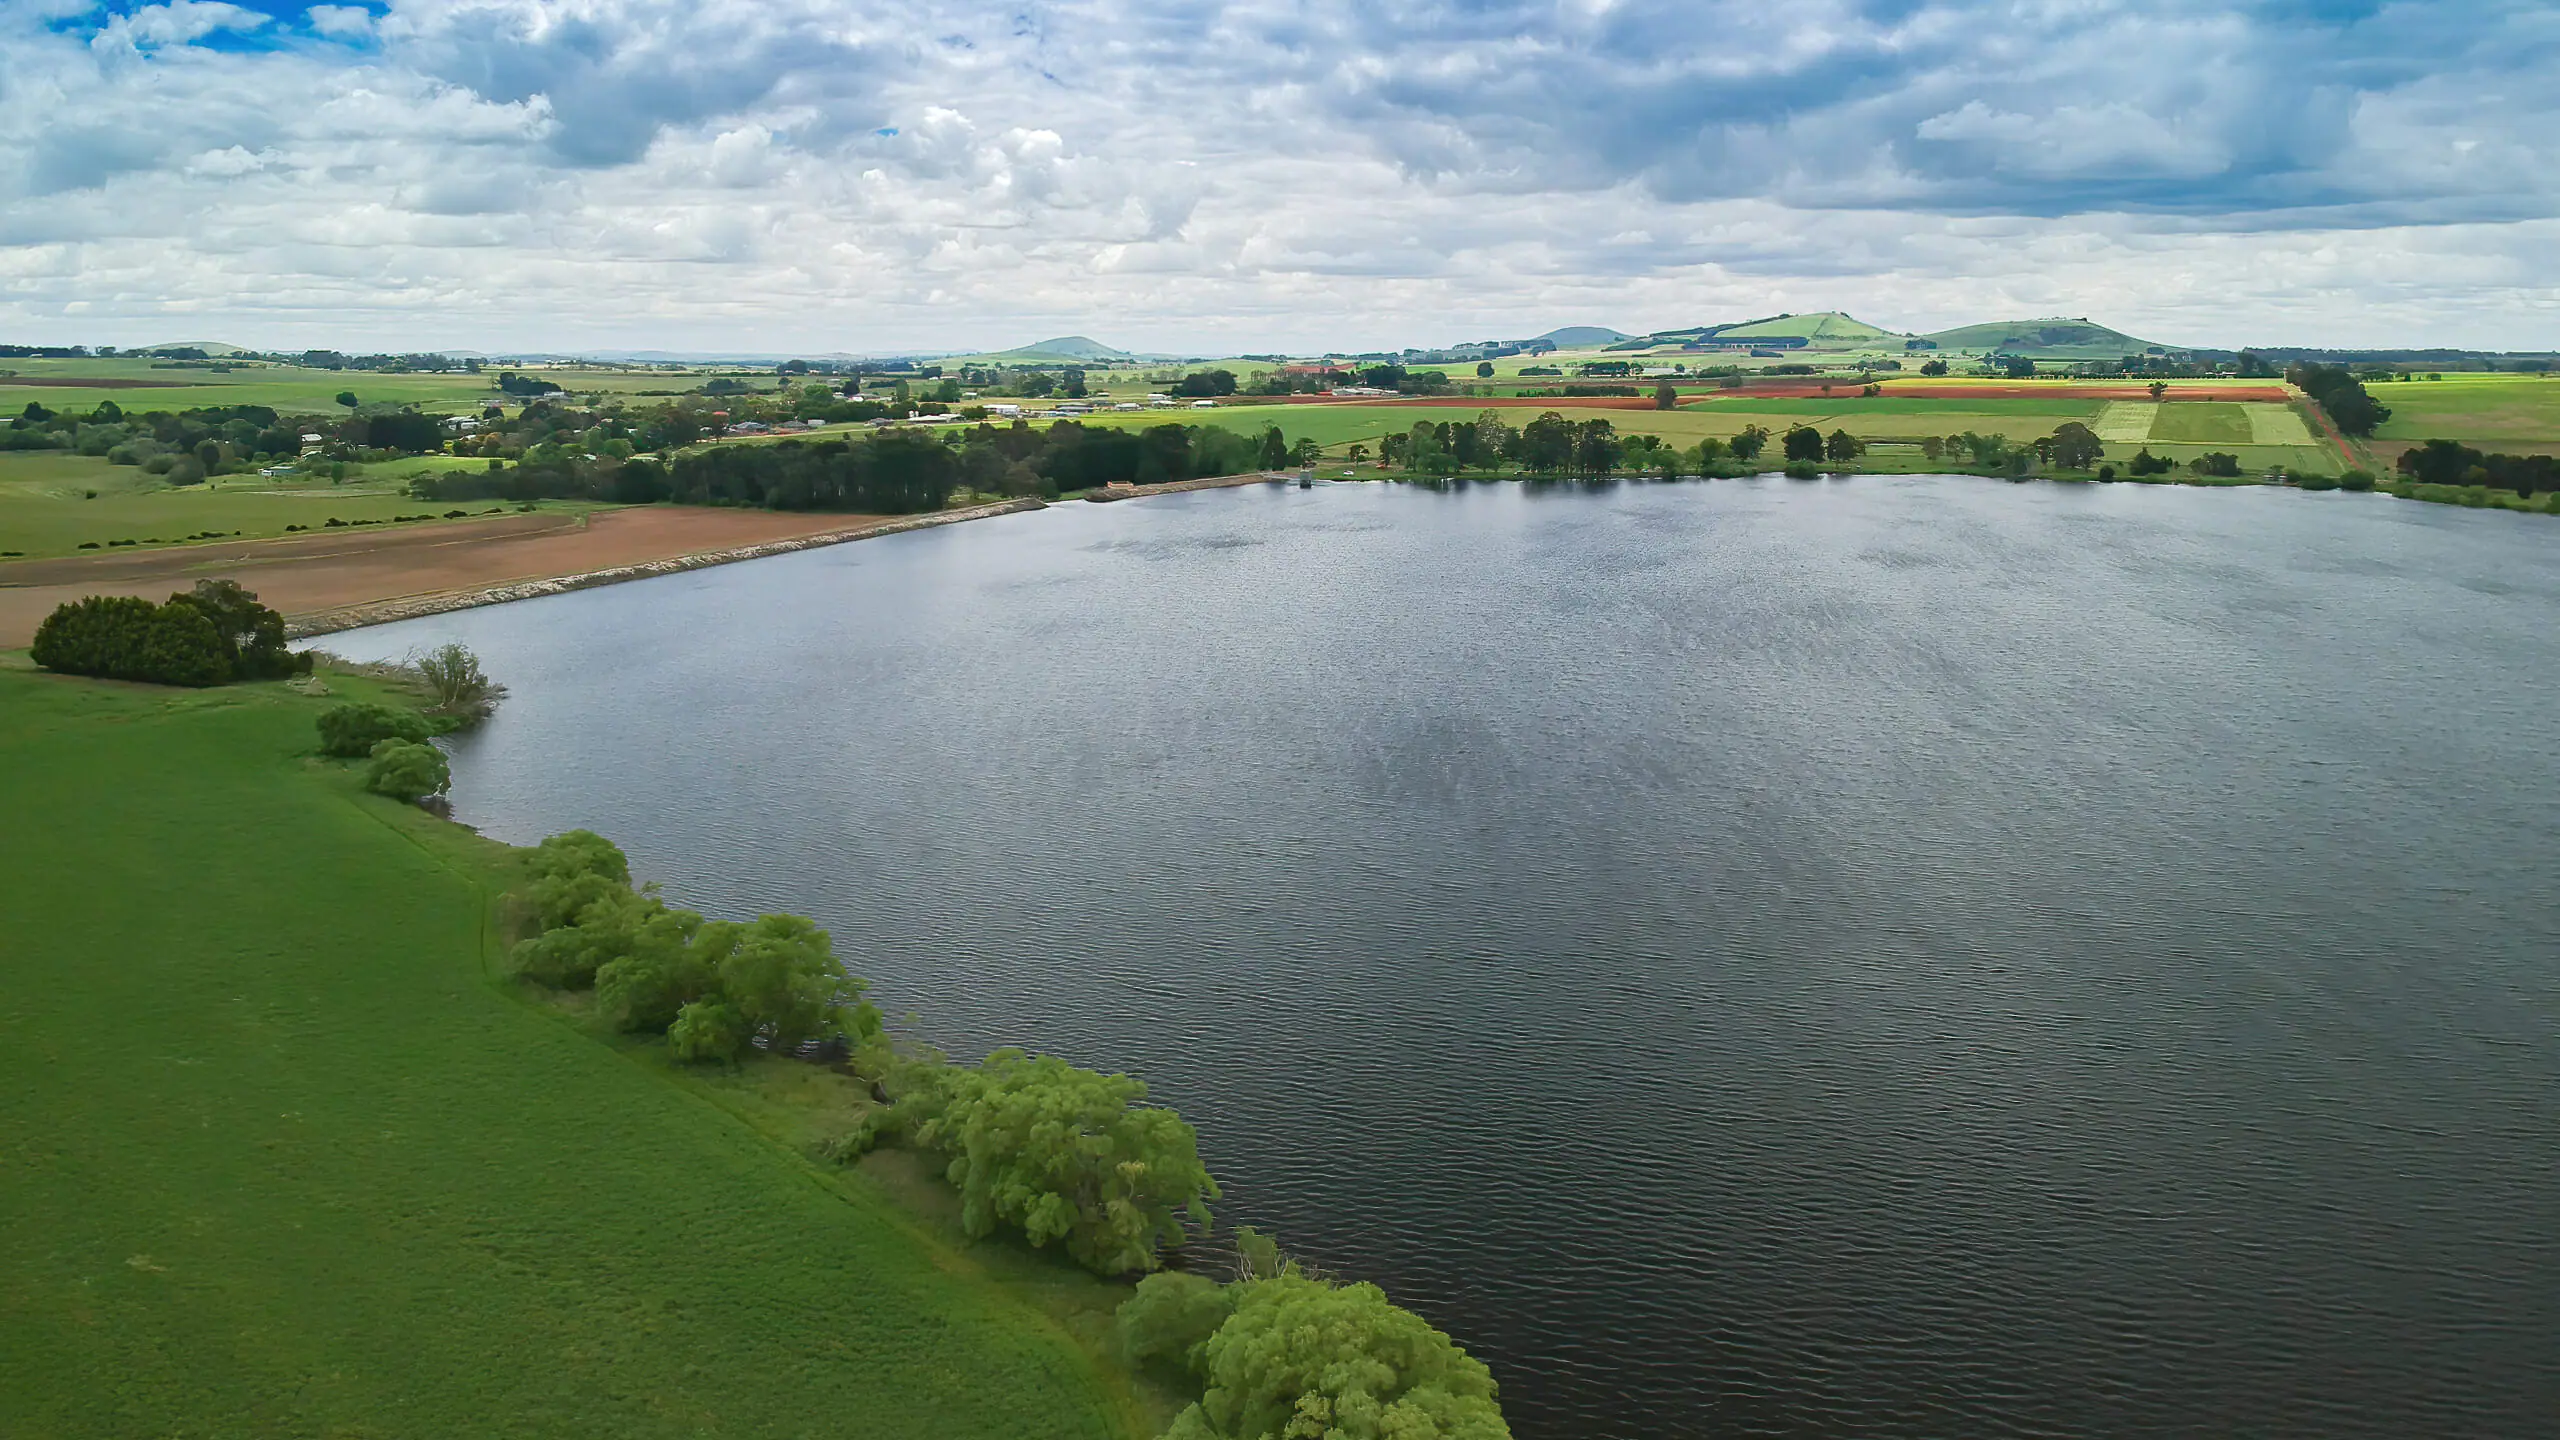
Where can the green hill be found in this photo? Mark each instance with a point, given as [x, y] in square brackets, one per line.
[1066, 348]
[214, 348]
[2059, 339]
[1570, 337]
[1824, 328]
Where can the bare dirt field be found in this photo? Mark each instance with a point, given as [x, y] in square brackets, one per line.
[309, 573]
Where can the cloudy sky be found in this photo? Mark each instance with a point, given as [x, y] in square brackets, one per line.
[815, 175]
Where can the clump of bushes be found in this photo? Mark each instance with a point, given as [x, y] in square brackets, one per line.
[717, 989]
[407, 771]
[1057, 1154]
[214, 633]
[351, 731]
[1060, 1154]
[1281, 1353]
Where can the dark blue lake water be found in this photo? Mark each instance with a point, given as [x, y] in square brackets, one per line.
[1875, 958]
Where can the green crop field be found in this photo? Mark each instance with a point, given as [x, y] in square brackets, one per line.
[281, 1158]
[2518, 414]
[51, 502]
[294, 390]
[2201, 423]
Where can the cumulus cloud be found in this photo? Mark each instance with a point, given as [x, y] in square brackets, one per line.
[799, 174]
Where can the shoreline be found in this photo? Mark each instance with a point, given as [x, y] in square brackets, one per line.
[437, 602]
[307, 624]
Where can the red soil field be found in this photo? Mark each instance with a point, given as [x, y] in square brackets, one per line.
[306, 573]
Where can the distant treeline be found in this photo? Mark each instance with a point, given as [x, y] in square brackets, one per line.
[898, 471]
[2446, 462]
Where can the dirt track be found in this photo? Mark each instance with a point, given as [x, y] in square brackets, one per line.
[333, 571]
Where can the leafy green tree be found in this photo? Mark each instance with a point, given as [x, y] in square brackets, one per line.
[2159, 391]
[1484, 369]
[347, 398]
[2075, 446]
[252, 634]
[709, 1029]
[1169, 1321]
[1842, 446]
[1748, 445]
[351, 730]
[1666, 396]
[1804, 443]
[1075, 383]
[1933, 367]
[1064, 1155]
[1709, 452]
[407, 770]
[781, 975]
[579, 852]
[672, 961]
[462, 688]
[605, 928]
[1275, 449]
[1303, 1358]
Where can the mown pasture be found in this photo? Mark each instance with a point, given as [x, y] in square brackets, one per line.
[2515, 414]
[52, 503]
[282, 1158]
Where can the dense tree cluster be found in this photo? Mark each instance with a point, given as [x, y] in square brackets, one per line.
[212, 634]
[895, 471]
[717, 989]
[1060, 1154]
[351, 730]
[2341, 395]
[1279, 1353]
[2444, 462]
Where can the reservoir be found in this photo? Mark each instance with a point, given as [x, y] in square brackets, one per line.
[1877, 957]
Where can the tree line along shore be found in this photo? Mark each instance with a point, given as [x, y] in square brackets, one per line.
[417, 1119]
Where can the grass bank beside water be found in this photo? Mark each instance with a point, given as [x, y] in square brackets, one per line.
[282, 1155]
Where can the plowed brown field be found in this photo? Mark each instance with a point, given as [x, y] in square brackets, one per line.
[308, 573]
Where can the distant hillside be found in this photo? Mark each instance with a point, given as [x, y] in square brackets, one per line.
[1570, 336]
[1066, 347]
[1827, 327]
[213, 348]
[2058, 338]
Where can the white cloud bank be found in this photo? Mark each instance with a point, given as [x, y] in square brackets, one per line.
[794, 175]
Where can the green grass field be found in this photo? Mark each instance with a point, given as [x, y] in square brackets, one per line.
[294, 390]
[2201, 423]
[2517, 414]
[281, 1158]
[47, 509]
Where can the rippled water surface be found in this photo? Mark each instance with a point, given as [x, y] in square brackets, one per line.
[1870, 958]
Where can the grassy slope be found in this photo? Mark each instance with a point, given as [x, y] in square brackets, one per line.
[281, 1159]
